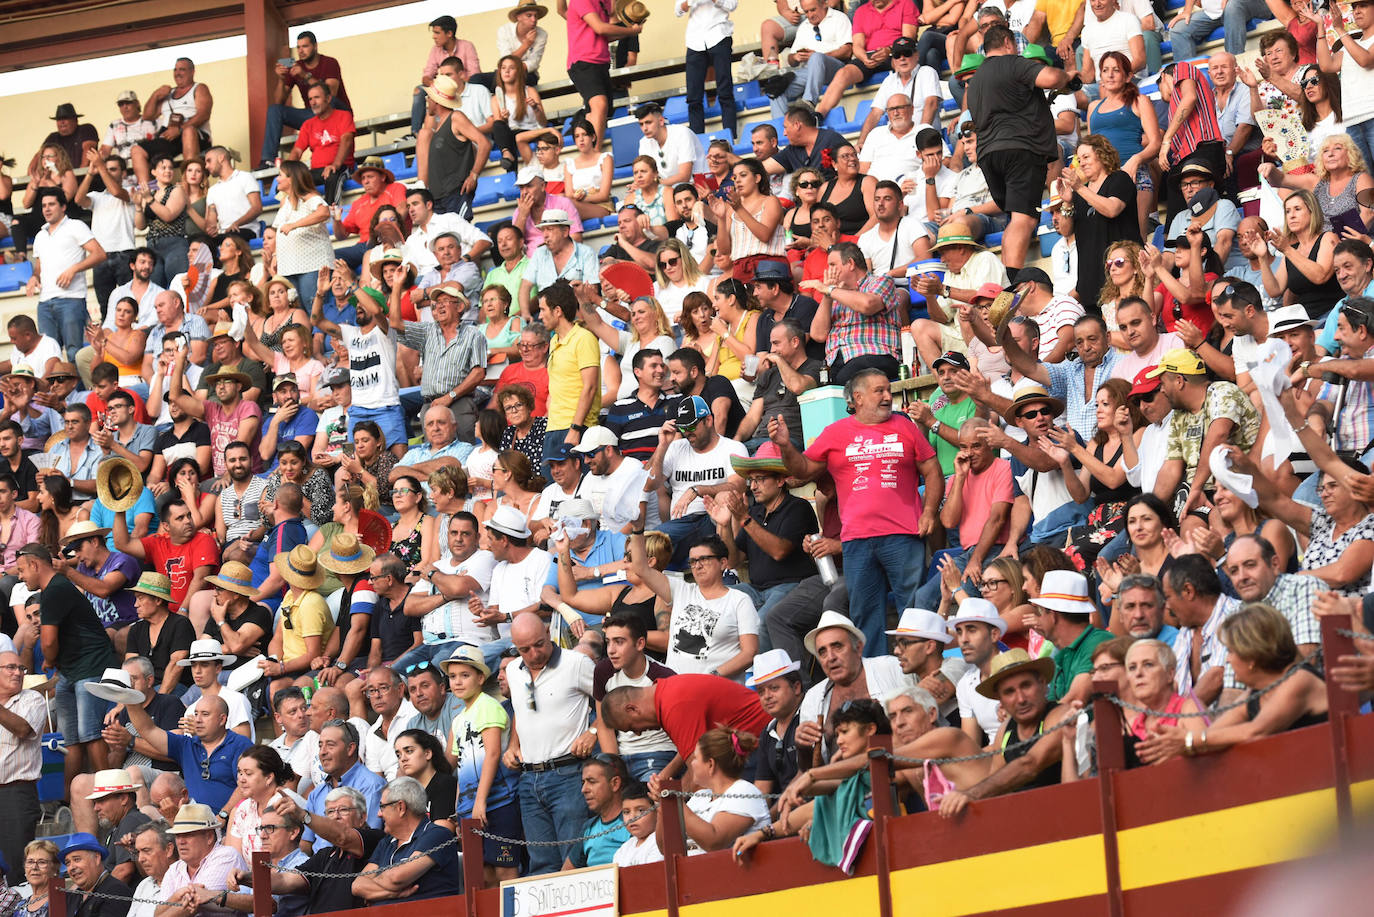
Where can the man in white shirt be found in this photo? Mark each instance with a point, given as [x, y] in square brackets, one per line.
[551, 694]
[38, 352]
[112, 221]
[293, 742]
[710, 43]
[139, 287]
[932, 188]
[823, 44]
[849, 675]
[676, 149]
[889, 151]
[155, 850]
[426, 225]
[519, 575]
[234, 201]
[615, 486]
[977, 628]
[63, 251]
[894, 241]
[128, 130]
[385, 693]
[465, 573]
[1106, 28]
[920, 84]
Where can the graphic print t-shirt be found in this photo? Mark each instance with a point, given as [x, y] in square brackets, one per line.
[371, 366]
[684, 467]
[875, 472]
[703, 633]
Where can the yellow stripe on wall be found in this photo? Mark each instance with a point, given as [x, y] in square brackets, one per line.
[1362, 797]
[1006, 879]
[856, 896]
[1242, 837]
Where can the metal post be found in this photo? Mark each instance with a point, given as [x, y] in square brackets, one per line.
[474, 874]
[263, 905]
[1342, 705]
[884, 807]
[674, 841]
[1111, 757]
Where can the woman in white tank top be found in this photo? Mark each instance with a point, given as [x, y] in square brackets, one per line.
[588, 173]
[749, 221]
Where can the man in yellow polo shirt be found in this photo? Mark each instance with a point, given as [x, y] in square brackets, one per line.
[574, 369]
[304, 621]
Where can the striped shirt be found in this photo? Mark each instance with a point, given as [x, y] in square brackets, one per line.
[1354, 426]
[636, 426]
[744, 244]
[240, 511]
[1068, 382]
[1202, 125]
[447, 361]
[1213, 650]
[853, 334]
[22, 759]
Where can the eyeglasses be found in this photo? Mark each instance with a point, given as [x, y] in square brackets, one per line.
[39, 861]
[339, 810]
[383, 805]
[403, 490]
[1328, 487]
[993, 583]
[705, 558]
[265, 830]
[523, 346]
[1105, 667]
[810, 184]
[1310, 82]
[1034, 413]
[670, 262]
[897, 108]
[13, 668]
[1113, 263]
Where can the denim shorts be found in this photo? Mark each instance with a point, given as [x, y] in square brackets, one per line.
[80, 714]
[390, 418]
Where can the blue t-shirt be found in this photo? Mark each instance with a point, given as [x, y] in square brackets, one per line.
[445, 877]
[608, 548]
[285, 536]
[359, 778]
[103, 516]
[223, 768]
[598, 851]
[1327, 339]
[305, 423]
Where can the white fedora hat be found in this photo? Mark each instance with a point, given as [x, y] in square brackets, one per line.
[509, 521]
[207, 650]
[828, 620]
[922, 625]
[978, 611]
[770, 665]
[1065, 591]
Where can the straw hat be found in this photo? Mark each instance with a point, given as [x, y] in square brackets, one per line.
[389, 256]
[234, 577]
[300, 567]
[118, 484]
[154, 584]
[346, 554]
[83, 529]
[193, 817]
[956, 233]
[527, 6]
[444, 92]
[107, 783]
[241, 378]
[828, 620]
[1028, 391]
[20, 371]
[631, 12]
[468, 655]
[373, 164]
[1010, 663]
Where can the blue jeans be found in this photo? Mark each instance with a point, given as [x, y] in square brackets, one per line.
[280, 117]
[718, 56]
[80, 714]
[928, 596]
[353, 254]
[684, 532]
[551, 809]
[809, 83]
[765, 600]
[645, 764]
[1363, 135]
[305, 284]
[874, 567]
[64, 320]
[1236, 16]
[171, 259]
[930, 49]
[1190, 34]
[433, 653]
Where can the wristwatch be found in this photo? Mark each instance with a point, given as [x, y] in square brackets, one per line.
[930, 181]
[935, 428]
[307, 817]
[340, 665]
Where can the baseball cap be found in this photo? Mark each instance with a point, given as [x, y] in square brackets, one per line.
[336, 377]
[952, 358]
[285, 379]
[561, 453]
[1180, 360]
[988, 291]
[691, 411]
[1144, 383]
[596, 437]
[127, 95]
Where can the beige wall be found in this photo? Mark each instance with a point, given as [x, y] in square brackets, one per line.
[379, 71]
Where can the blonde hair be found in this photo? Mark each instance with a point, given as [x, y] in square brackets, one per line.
[661, 323]
[690, 272]
[1352, 154]
[1110, 292]
[1261, 636]
[1314, 214]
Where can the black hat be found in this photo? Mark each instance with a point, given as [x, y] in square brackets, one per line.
[1032, 275]
[903, 46]
[65, 110]
[952, 358]
[1204, 198]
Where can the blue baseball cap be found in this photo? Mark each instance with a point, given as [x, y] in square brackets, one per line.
[691, 411]
[561, 454]
[83, 841]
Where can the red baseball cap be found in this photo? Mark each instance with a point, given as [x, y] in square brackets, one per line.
[1143, 383]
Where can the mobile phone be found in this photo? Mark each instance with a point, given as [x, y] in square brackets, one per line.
[348, 449]
[284, 62]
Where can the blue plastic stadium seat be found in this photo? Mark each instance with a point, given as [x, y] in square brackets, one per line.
[14, 276]
[488, 191]
[255, 244]
[749, 96]
[622, 172]
[992, 239]
[948, 105]
[850, 125]
[1048, 240]
[675, 110]
[836, 119]
[590, 223]
[625, 142]
[396, 162]
[721, 134]
[1157, 240]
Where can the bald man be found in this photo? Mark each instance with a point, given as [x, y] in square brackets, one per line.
[208, 759]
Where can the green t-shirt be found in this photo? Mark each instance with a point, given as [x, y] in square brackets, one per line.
[1075, 659]
[83, 649]
[952, 415]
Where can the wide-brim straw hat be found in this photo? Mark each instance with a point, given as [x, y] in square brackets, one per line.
[527, 6]
[300, 567]
[83, 529]
[155, 585]
[1004, 665]
[345, 554]
[234, 577]
[631, 12]
[373, 164]
[118, 483]
[444, 92]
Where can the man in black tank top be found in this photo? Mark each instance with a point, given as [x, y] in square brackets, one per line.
[1021, 684]
[457, 151]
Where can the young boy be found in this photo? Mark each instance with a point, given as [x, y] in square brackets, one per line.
[641, 847]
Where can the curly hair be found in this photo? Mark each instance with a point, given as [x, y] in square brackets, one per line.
[1111, 159]
[1110, 291]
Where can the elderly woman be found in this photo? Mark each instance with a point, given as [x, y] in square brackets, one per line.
[524, 432]
[1149, 671]
[40, 867]
[1340, 173]
[1263, 655]
[1108, 662]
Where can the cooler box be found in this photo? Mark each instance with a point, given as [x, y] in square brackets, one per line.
[52, 782]
[821, 407]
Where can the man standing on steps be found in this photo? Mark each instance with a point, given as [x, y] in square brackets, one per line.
[1016, 137]
[23, 715]
[76, 645]
[371, 344]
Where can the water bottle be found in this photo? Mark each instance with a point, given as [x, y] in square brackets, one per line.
[824, 376]
[826, 566]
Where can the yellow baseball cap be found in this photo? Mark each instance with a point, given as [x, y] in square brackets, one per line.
[1180, 360]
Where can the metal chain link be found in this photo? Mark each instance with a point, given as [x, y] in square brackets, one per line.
[587, 837]
[688, 795]
[112, 897]
[990, 753]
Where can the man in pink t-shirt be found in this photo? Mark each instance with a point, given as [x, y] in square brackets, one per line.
[878, 461]
[591, 29]
[1136, 321]
[877, 24]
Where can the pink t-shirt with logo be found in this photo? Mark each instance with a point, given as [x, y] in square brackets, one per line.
[584, 45]
[875, 472]
[224, 429]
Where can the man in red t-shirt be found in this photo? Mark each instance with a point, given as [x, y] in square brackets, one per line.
[380, 188]
[685, 707]
[329, 137]
[878, 460]
[179, 551]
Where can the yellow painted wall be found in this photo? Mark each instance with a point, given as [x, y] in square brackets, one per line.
[379, 71]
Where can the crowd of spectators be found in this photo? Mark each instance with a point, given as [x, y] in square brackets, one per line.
[317, 547]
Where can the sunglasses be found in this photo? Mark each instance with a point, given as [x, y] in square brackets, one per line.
[1034, 413]
[1117, 262]
[809, 184]
[416, 668]
[1310, 82]
[687, 428]
[896, 54]
[1147, 396]
[62, 377]
[670, 262]
[1356, 317]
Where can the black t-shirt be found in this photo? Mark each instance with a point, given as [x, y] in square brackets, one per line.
[119, 854]
[198, 433]
[1010, 111]
[73, 141]
[166, 712]
[253, 614]
[780, 401]
[79, 905]
[83, 649]
[793, 519]
[337, 894]
[176, 635]
[443, 796]
[795, 157]
[393, 628]
[801, 310]
[26, 476]
[777, 760]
